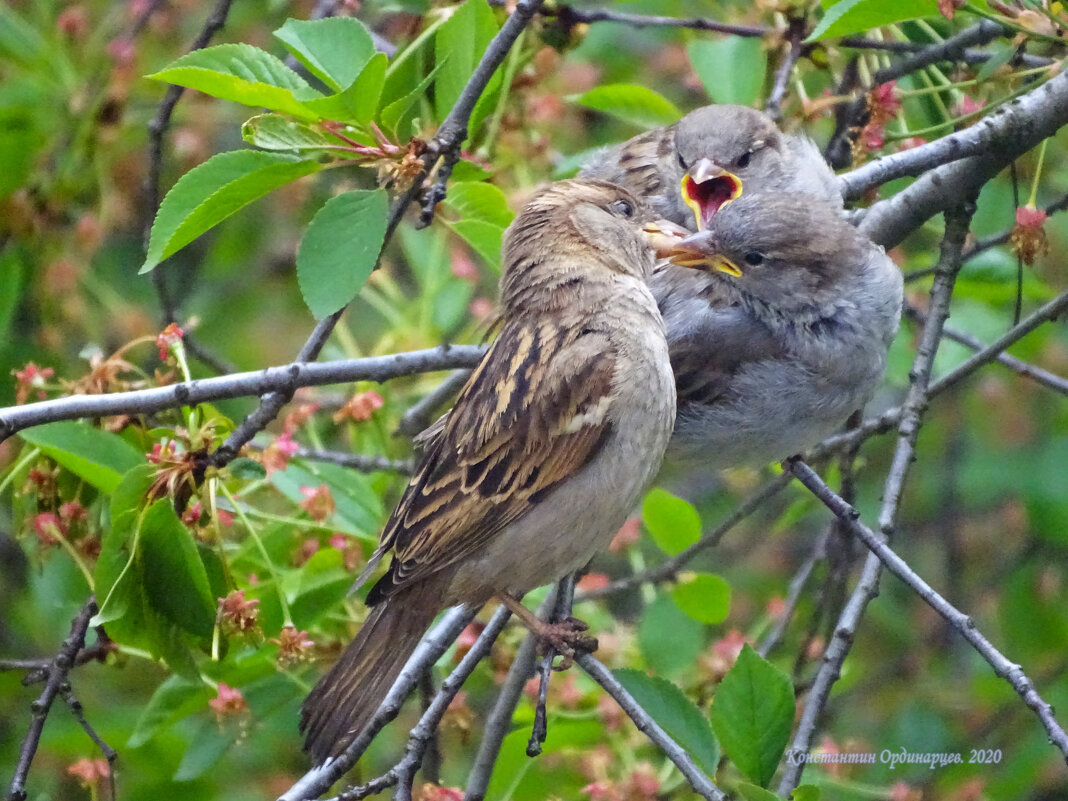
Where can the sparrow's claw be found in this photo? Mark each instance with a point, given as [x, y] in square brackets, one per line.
[567, 638]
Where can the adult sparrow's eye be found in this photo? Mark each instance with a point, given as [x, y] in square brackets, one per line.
[622, 208]
[743, 162]
[754, 258]
[682, 161]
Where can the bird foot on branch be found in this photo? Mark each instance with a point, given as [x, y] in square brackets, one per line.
[568, 638]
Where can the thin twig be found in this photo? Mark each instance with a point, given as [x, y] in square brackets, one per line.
[561, 610]
[795, 32]
[1018, 366]
[319, 779]
[445, 146]
[890, 418]
[283, 379]
[57, 678]
[421, 413]
[968, 56]
[157, 129]
[572, 16]
[110, 754]
[700, 783]
[499, 721]
[669, 568]
[1003, 667]
[793, 595]
[957, 222]
[364, 462]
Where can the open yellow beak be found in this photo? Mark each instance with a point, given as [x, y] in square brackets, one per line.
[707, 188]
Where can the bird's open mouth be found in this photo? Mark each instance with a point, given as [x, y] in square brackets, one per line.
[708, 196]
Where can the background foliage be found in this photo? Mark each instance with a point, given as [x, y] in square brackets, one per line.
[293, 232]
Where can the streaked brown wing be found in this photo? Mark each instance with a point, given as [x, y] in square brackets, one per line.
[534, 412]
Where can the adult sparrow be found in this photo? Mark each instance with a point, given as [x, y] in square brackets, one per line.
[688, 171]
[782, 336]
[550, 445]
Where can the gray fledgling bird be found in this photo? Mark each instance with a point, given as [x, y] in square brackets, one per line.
[550, 445]
[782, 337]
[690, 170]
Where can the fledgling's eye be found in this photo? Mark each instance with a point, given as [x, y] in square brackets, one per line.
[682, 161]
[754, 258]
[744, 160]
[623, 208]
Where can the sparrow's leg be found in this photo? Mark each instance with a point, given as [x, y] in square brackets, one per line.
[565, 636]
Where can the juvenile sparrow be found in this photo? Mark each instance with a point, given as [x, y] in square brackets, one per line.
[551, 442]
[688, 171]
[783, 336]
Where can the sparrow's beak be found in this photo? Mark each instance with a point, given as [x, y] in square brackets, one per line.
[707, 188]
[698, 252]
[663, 235]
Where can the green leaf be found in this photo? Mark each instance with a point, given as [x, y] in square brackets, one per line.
[173, 700]
[752, 714]
[247, 468]
[731, 69]
[631, 103]
[393, 112]
[704, 597]
[676, 714]
[458, 47]
[175, 582]
[209, 745]
[334, 49]
[118, 546]
[673, 522]
[275, 132]
[750, 792]
[358, 103]
[670, 642]
[359, 509]
[212, 191]
[340, 249]
[857, 16]
[241, 73]
[477, 200]
[484, 214]
[1001, 54]
[99, 457]
[805, 792]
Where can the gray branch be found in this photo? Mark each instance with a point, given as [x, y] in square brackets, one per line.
[1002, 666]
[838, 648]
[283, 379]
[1008, 133]
[989, 145]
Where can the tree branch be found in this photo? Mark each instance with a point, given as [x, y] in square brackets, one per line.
[700, 783]
[957, 222]
[280, 380]
[58, 671]
[890, 418]
[1009, 132]
[571, 16]
[1002, 666]
[364, 462]
[795, 32]
[421, 413]
[1019, 125]
[445, 145]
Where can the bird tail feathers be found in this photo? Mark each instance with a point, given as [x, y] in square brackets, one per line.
[345, 699]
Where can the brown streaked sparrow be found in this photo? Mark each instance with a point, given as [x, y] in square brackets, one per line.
[550, 445]
[783, 336]
[689, 170]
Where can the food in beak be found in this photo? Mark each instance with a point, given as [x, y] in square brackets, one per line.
[706, 188]
[698, 252]
[663, 235]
